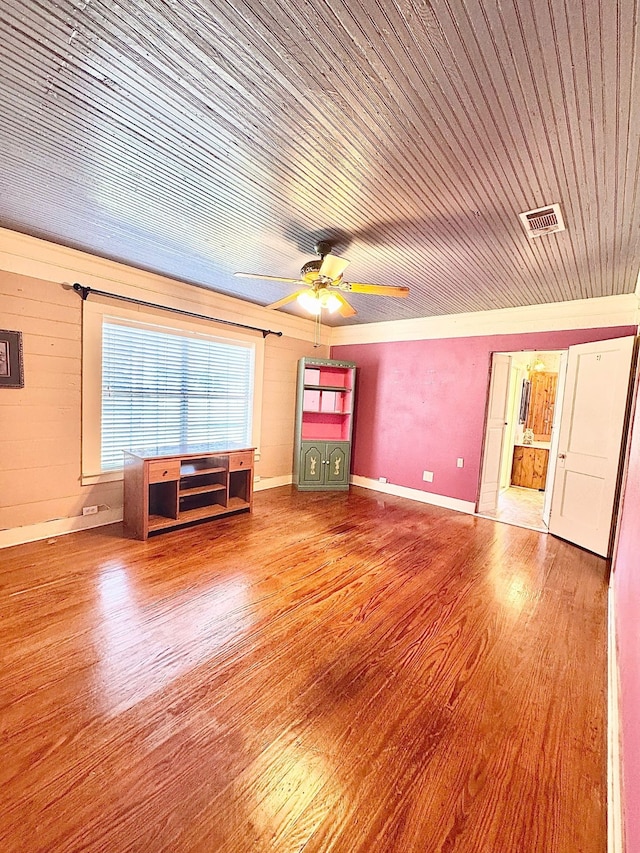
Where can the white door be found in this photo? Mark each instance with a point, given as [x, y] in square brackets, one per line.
[494, 435]
[591, 428]
[513, 416]
[555, 438]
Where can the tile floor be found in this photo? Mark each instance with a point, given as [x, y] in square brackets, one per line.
[522, 507]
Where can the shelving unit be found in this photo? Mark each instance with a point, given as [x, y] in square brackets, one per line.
[324, 423]
[163, 490]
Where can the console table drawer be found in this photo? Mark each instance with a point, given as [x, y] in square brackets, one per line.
[237, 461]
[161, 470]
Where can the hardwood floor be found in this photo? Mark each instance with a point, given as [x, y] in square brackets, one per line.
[336, 672]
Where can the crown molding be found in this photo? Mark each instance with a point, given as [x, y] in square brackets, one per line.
[555, 316]
[36, 258]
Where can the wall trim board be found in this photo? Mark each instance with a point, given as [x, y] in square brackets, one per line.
[36, 258]
[57, 527]
[272, 482]
[415, 494]
[615, 821]
[599, 312]
[62, 526]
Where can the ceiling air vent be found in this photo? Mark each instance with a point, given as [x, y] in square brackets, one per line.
[543, 220]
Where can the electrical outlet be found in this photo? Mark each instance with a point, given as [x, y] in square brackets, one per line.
[382, 479]
[89, 510]
[427, 476]
[460, 462]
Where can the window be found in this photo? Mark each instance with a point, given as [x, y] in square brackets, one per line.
[151, 386]
[162, 389]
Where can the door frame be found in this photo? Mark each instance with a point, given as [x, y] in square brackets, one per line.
[495, 424]
[563, 352]
[556, 431]
[555, 438]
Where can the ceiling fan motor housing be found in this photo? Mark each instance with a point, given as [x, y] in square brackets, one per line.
[323, 248]
[309, 272]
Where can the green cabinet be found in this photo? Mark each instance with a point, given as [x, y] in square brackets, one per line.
[311, 468]
[324, 422]
[324, 465]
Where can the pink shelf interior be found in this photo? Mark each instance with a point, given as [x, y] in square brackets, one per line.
[337, 376]
[324, 427]
[331, 402]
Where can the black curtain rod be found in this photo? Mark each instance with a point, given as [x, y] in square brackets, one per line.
[84, 292]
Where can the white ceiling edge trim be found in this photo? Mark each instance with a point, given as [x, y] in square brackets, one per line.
[36, 258]
[577, 314]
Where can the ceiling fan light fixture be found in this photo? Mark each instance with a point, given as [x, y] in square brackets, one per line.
[315, 301]
[310, 302]
[329, 301]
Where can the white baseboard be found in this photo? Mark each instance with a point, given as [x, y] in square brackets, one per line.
[62, 526]
[415, 494]
[272, 482]
[614, 766]
[57, 527]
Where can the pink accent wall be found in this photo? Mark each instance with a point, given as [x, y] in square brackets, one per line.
[421, 404]
[626, 579]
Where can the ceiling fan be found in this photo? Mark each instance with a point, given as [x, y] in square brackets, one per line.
[323, 282]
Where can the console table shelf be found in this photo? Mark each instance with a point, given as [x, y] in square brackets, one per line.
[202, 490]
[164, 490]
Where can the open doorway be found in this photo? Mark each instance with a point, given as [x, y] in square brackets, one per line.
[525, 425]
[589, 421]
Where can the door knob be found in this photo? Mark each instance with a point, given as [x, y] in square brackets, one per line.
[562, 455]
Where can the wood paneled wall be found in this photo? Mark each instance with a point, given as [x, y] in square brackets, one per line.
[541, 405]
[40, 434]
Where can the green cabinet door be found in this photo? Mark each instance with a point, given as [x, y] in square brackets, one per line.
[337, 471]
[311, 463]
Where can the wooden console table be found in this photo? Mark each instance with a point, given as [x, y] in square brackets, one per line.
[175, 486]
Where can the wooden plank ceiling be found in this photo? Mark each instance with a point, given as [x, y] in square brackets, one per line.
[199, 138]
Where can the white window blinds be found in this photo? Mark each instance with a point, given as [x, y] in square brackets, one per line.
[163, 388]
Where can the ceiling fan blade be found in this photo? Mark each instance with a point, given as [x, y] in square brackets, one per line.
[374, 289]
[332, 266]
[286, 299]
[345, 309]
[265, 277]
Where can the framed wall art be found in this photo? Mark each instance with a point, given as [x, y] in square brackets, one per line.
[11, 372]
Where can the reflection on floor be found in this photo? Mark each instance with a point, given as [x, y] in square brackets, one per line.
[522, 507]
